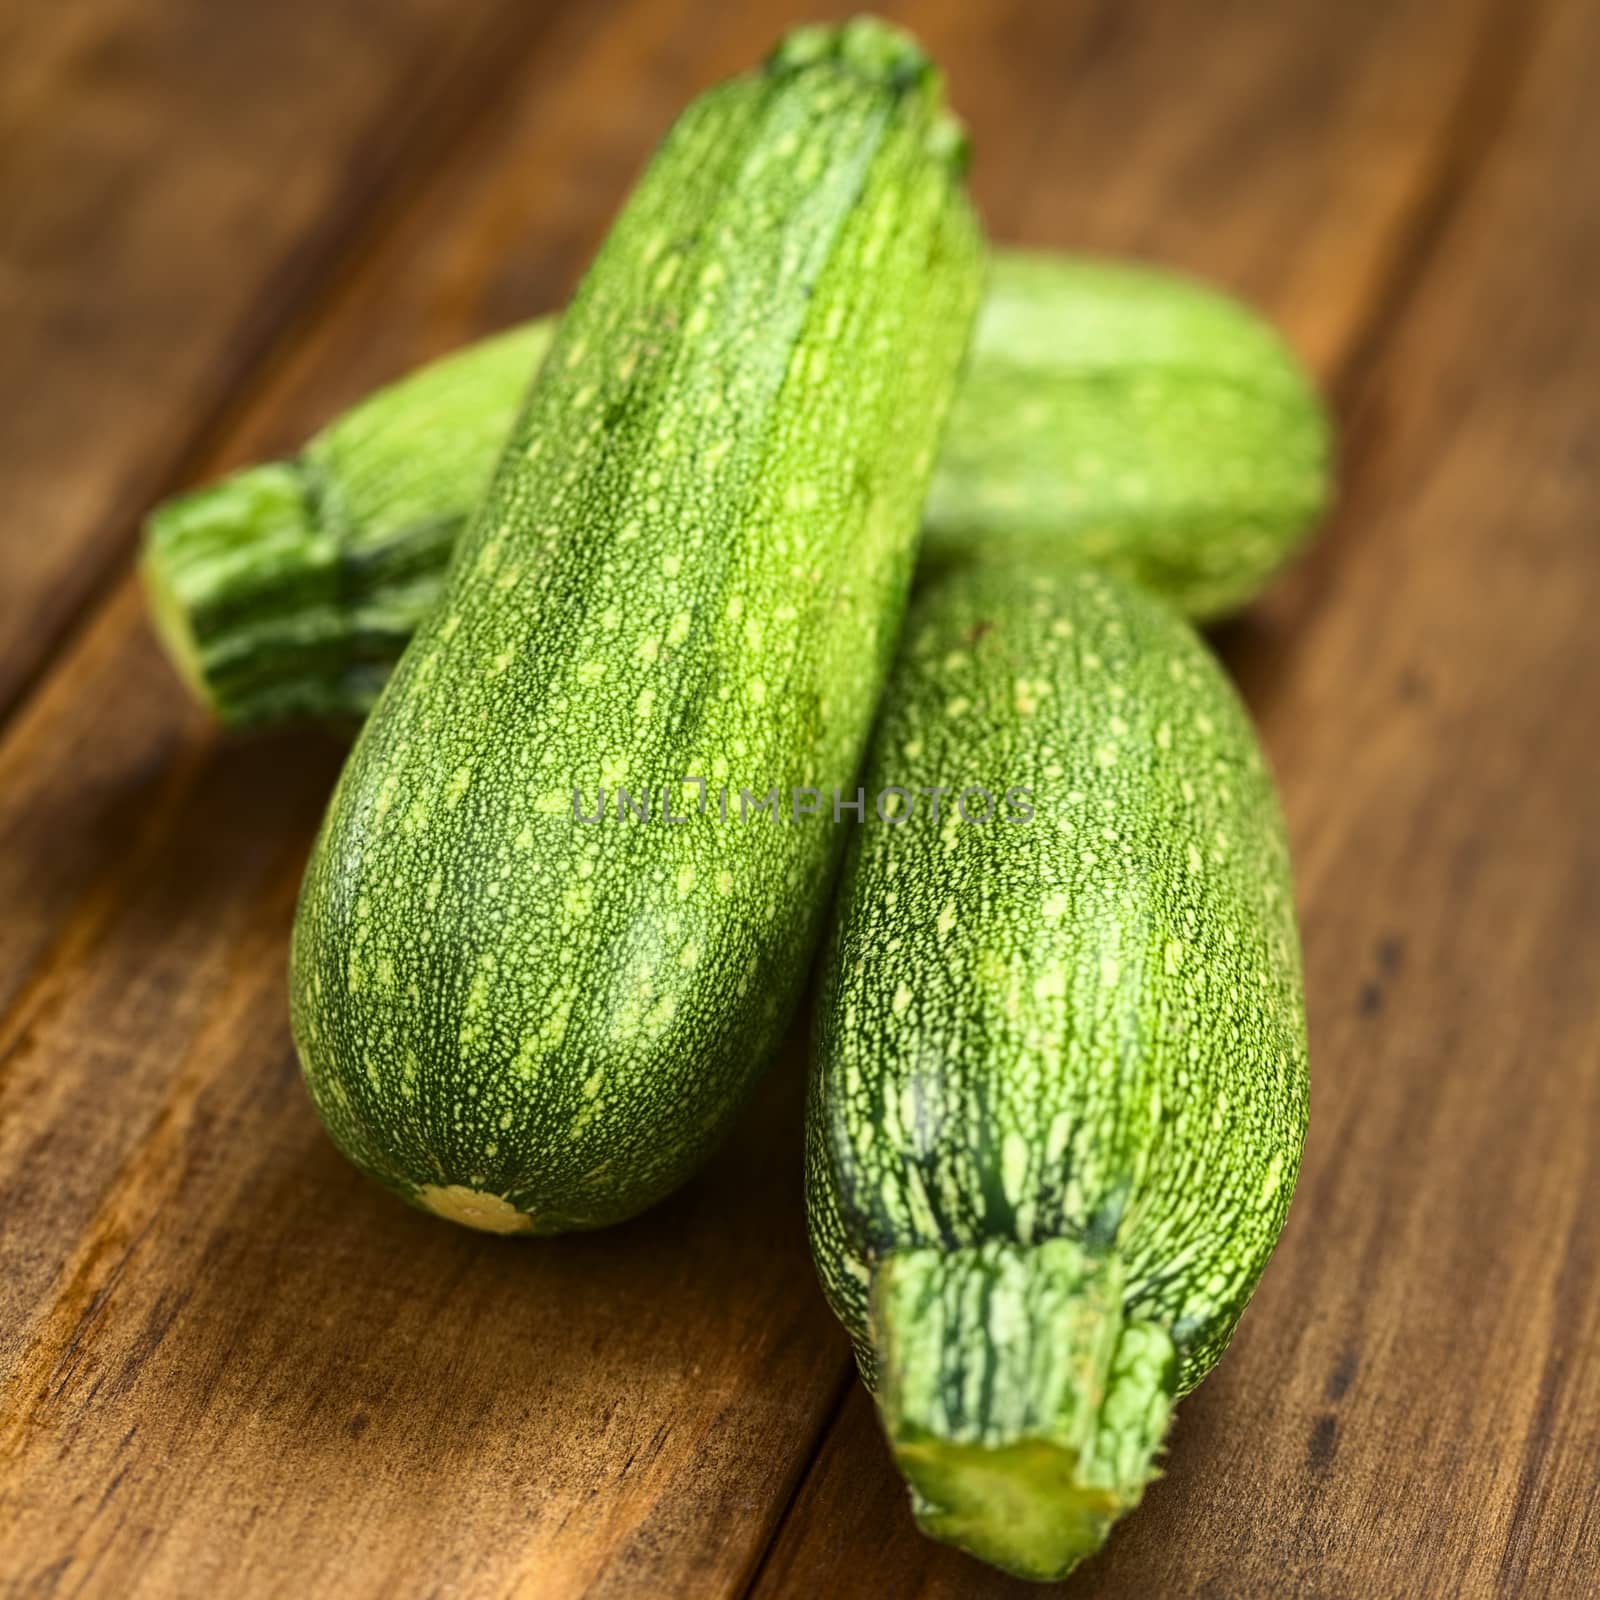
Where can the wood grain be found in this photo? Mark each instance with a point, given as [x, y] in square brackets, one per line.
[1412, 1407]
[232, 1363]
[176, 177]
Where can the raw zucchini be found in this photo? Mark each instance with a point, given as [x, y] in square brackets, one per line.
[1152, 425]
[691, 565]
[287, 591]
[1135, 420]
[1060, 1088]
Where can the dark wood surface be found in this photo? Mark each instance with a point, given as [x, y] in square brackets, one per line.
[229, 1365]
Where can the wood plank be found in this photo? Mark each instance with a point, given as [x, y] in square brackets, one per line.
[415, 1407]
[174, 176]
[199, 1299]
[590, 1406]
[1412, 1406]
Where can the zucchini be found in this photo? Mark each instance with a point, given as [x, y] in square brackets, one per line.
[1143, 421]
[691, 565]
[1059, 1090]
[1135, 420]
[287, 591]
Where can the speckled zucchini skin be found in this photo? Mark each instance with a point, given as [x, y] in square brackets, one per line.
[1060, 1085]
[1136, 420]
[692, 563]
[1161, 430]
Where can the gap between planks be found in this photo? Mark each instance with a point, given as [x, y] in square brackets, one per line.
[1487, 89]
[429, 129]
[1488, 94]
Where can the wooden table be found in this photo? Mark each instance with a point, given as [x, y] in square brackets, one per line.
[233, 1367]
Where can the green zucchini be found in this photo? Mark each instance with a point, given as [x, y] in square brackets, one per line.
[691, 565]
[1059, 1091]
[287, 591]
[1135, 420]
[1154, 426]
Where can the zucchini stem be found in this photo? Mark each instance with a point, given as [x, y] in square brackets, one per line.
[1022, 1405]
[288, 591]
[240, 574]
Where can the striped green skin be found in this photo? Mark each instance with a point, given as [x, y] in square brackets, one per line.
[1060, 1087]
[692, 563]
[287, 591]
[1159, 429]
